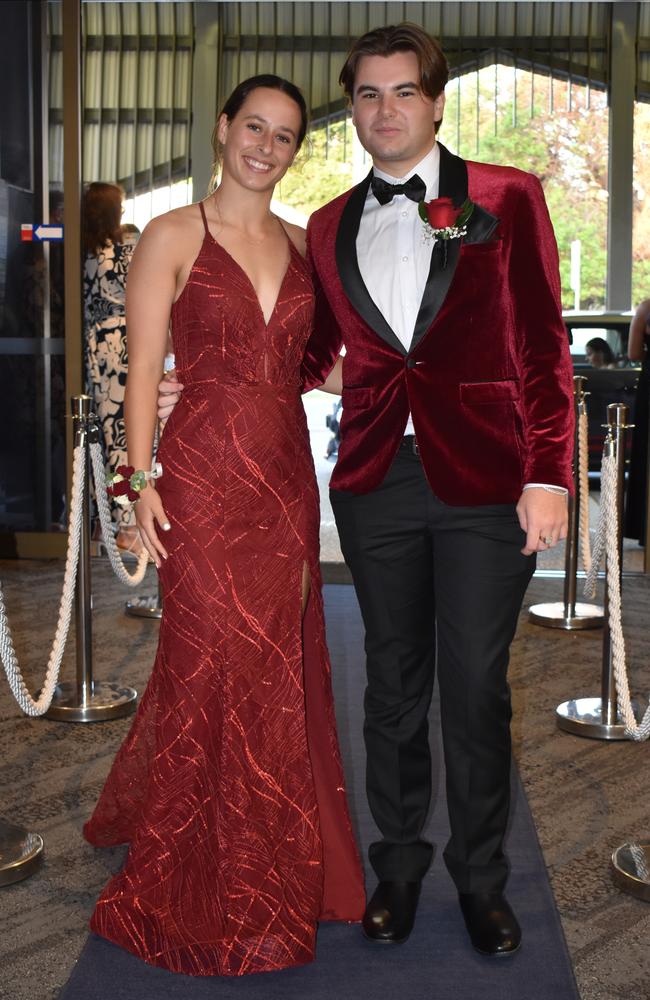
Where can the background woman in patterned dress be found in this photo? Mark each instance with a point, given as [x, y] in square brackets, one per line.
[108, 256]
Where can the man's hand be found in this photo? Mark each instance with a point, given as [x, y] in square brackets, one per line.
[542, 515]
[169, 393]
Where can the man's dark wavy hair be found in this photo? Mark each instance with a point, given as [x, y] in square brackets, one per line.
[404, 37]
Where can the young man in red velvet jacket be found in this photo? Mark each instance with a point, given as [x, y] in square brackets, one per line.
[453, 466]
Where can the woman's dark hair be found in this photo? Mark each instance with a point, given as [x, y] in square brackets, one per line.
[234, 104]
[101, 215]
[404, 37]
[601, 345]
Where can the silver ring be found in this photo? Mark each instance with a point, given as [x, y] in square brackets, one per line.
[548, 540]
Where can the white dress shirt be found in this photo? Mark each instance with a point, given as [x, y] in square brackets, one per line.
[394, 233]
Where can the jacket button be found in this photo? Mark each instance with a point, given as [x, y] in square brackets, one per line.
[411, 362]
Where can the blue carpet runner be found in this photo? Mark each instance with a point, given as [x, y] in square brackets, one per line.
[436, 963]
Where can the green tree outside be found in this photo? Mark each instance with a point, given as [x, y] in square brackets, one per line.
[322, 171]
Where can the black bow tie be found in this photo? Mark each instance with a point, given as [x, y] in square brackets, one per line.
[414, 188]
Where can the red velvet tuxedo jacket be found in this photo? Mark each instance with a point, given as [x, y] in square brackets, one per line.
[488, 376]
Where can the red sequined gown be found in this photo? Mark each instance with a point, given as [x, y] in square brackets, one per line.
[229, 788]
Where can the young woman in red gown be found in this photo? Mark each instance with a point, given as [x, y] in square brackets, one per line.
[229, 788]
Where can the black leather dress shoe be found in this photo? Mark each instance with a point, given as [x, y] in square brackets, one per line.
[492, 926]
[390, 914]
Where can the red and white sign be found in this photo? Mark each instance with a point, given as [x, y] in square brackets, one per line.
[40, 231]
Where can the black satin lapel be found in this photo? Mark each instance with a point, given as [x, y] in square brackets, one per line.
[348, 267]
[453, 177]
[436, 288]
[452, 184]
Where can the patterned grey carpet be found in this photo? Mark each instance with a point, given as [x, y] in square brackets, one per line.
[587, 796]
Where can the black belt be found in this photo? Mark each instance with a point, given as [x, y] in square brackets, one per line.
[409, 443]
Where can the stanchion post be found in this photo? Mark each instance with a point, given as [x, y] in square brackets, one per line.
[630, 862]
[617, 421]
[83, 425]
[599, 718]
[87, 700]
[572, 540]
[631, 869]
[20, 853]
[568, 614]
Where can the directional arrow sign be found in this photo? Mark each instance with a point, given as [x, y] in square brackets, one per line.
[47, 232]
[40, 232]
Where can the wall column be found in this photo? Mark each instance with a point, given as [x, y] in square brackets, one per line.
[621, 154]
[72, 210]
[204, 93]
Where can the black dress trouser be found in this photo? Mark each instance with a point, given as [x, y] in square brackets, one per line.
[438, 586]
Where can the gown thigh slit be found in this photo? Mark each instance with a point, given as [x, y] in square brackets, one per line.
[306, 585]
[229, 787]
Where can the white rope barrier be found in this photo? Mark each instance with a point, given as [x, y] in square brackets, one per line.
[606, 543]
[28, 704]
[583, 491]
[101, 498]
[7, 651]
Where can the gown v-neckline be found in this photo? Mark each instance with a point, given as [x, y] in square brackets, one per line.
[239, 267]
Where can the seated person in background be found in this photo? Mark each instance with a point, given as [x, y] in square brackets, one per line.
[599, 354]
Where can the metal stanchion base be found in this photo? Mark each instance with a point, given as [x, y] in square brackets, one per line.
[144, 607]
[108, 701]
[20, 853]
[554, 616]
[631, 869]
[583, 717]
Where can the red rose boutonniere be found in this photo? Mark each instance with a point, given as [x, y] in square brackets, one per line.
[442, 220]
